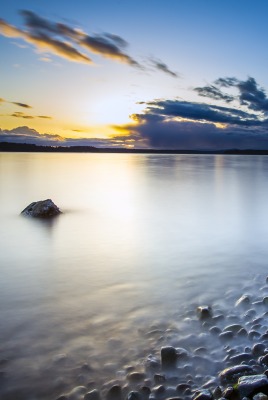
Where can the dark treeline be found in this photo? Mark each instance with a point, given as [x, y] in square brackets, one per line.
[24, 147]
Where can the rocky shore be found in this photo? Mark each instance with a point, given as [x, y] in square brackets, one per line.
[211, 351]
[223, 355]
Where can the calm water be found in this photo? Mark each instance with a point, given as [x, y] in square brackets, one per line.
[141, 237]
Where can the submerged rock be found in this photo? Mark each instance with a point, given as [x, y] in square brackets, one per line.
[41, 209]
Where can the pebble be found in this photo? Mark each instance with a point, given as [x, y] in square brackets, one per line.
[168, 357]
[244, 300]
[235, 328]
[258, 349]
[260, 396]
[204, 395]
[250, 385]
[134, 396]
[204, 312]
[226, 336]
[231, 374]
[136, 377]
[92, 395]
[114, 393]
[77, 393]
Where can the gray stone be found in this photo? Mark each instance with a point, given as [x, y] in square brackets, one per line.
[251, 385]
[136, 377]
[229, 393]
[260, 396]
[134, 396]
[264, 360]
[114, 393]
[168, 357]
[41, 209]
[92, 395]
[204, 395]
[233, 373]
[243, 300]
[233, 328]
[204, 312]
[258, 349]
[77, 393]
[239, 358]
[225, 336]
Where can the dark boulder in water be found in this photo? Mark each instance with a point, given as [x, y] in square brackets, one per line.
[41, 209]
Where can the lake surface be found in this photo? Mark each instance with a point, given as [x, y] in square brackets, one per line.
[142, 238]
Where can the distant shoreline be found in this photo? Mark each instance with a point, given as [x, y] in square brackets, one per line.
[33, 148]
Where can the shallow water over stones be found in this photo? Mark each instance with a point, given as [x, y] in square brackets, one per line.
[193, 362]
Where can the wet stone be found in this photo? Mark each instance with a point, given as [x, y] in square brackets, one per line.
[77, 393]
[239, 358]
[145, 391]
[230, 393]
[214, 330]
[92, 395]
[260, 396]
[217, 392]
[159, 378]
[251, 385]
[249, 314]
[114, 393]
[226, 336]
[253, 335]
[182, 354]
[200, 351]
[264, 360]
[204, 395]
[182, 387]
[204, 312]
[41, 209]
[136, 377]
[168, 357]
[258, 349]
[244, 300]
[242, 333]
[134, 396]
[231, 374]
[235, 328]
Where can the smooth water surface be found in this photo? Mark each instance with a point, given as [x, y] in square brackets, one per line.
[140, 237]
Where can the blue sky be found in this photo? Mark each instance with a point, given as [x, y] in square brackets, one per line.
[135, 73]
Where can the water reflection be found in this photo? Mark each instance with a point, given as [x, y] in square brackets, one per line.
[140, 237]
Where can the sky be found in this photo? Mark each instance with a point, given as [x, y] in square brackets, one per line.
[162, 74]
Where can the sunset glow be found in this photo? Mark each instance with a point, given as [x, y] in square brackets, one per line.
[86, 71]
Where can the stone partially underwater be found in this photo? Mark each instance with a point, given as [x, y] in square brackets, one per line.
[41, 209]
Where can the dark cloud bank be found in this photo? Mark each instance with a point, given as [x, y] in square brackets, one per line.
[169, 124]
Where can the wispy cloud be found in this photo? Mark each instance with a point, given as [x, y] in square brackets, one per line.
[250, 94]
[43, 41]
[67, 42]
[161, 66]
[74, 44]
[21, 115]
[214, 93]
[21, 104]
